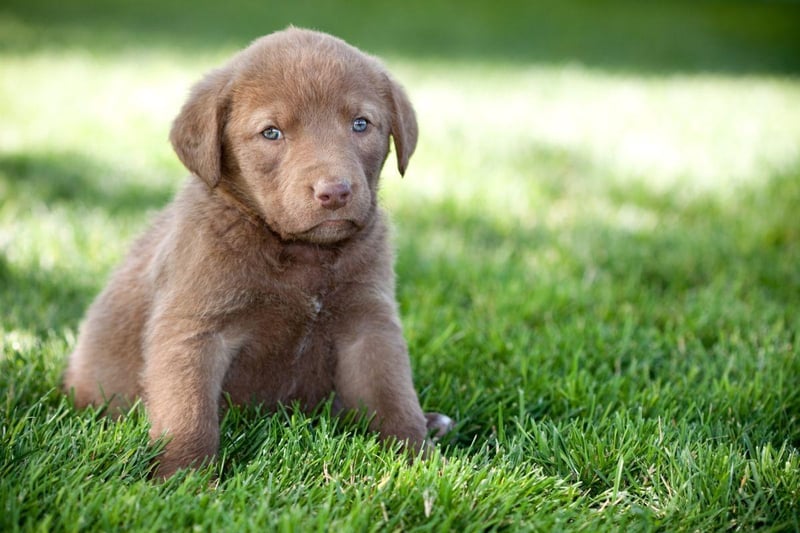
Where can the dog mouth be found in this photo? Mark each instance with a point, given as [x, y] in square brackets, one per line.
[335, 224]
[330, 231]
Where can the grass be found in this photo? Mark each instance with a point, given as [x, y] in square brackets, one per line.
[598, 249]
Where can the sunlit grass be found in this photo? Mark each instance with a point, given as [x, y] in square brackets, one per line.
[597, 274]
[686, 134]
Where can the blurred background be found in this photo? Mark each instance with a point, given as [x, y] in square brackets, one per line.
[735, 37]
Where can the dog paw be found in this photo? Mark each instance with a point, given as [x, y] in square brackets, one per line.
[438, 425]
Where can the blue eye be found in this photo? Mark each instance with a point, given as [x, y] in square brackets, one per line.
[272, 133]
[360, 125]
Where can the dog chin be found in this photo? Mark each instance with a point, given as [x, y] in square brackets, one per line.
[329, 232]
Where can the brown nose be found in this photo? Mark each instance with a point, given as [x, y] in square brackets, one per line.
[332, 195]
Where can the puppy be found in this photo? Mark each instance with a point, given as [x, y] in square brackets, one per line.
[269, 278]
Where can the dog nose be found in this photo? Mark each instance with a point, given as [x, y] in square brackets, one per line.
[332, 195]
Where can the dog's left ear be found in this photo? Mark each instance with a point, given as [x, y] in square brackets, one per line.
[404, 125]
[196, 133]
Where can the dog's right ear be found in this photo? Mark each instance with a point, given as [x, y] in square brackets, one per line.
[196, 133]
[404, 125]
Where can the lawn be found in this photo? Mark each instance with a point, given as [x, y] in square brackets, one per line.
[598, 259]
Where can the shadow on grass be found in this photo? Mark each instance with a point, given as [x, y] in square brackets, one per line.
[41, 302]
[750, 241]
[737, 37]
[53, 299]
[69, 178]
[616, 318]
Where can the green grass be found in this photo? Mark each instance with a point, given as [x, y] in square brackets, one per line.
[598, 248]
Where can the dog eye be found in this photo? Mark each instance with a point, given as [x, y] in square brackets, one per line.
[272, 133]
[360, 125]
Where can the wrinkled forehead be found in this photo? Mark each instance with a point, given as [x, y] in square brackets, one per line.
[309, 78]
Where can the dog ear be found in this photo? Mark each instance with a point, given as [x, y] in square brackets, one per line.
[404, 126]
[196, 133]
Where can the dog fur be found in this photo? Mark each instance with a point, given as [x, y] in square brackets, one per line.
[269, 277]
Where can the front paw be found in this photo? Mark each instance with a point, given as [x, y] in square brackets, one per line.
[184, 450]
[172, 460]
[438, 425]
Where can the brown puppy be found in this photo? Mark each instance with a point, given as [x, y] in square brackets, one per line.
[270, 276]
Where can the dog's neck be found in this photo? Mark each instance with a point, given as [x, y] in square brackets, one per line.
[281, 253]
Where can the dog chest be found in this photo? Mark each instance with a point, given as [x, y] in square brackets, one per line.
[289, 354]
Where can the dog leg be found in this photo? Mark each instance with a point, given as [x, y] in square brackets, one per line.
[182, 380]
[373, 373]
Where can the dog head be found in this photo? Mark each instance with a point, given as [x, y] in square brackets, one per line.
[297, 128]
